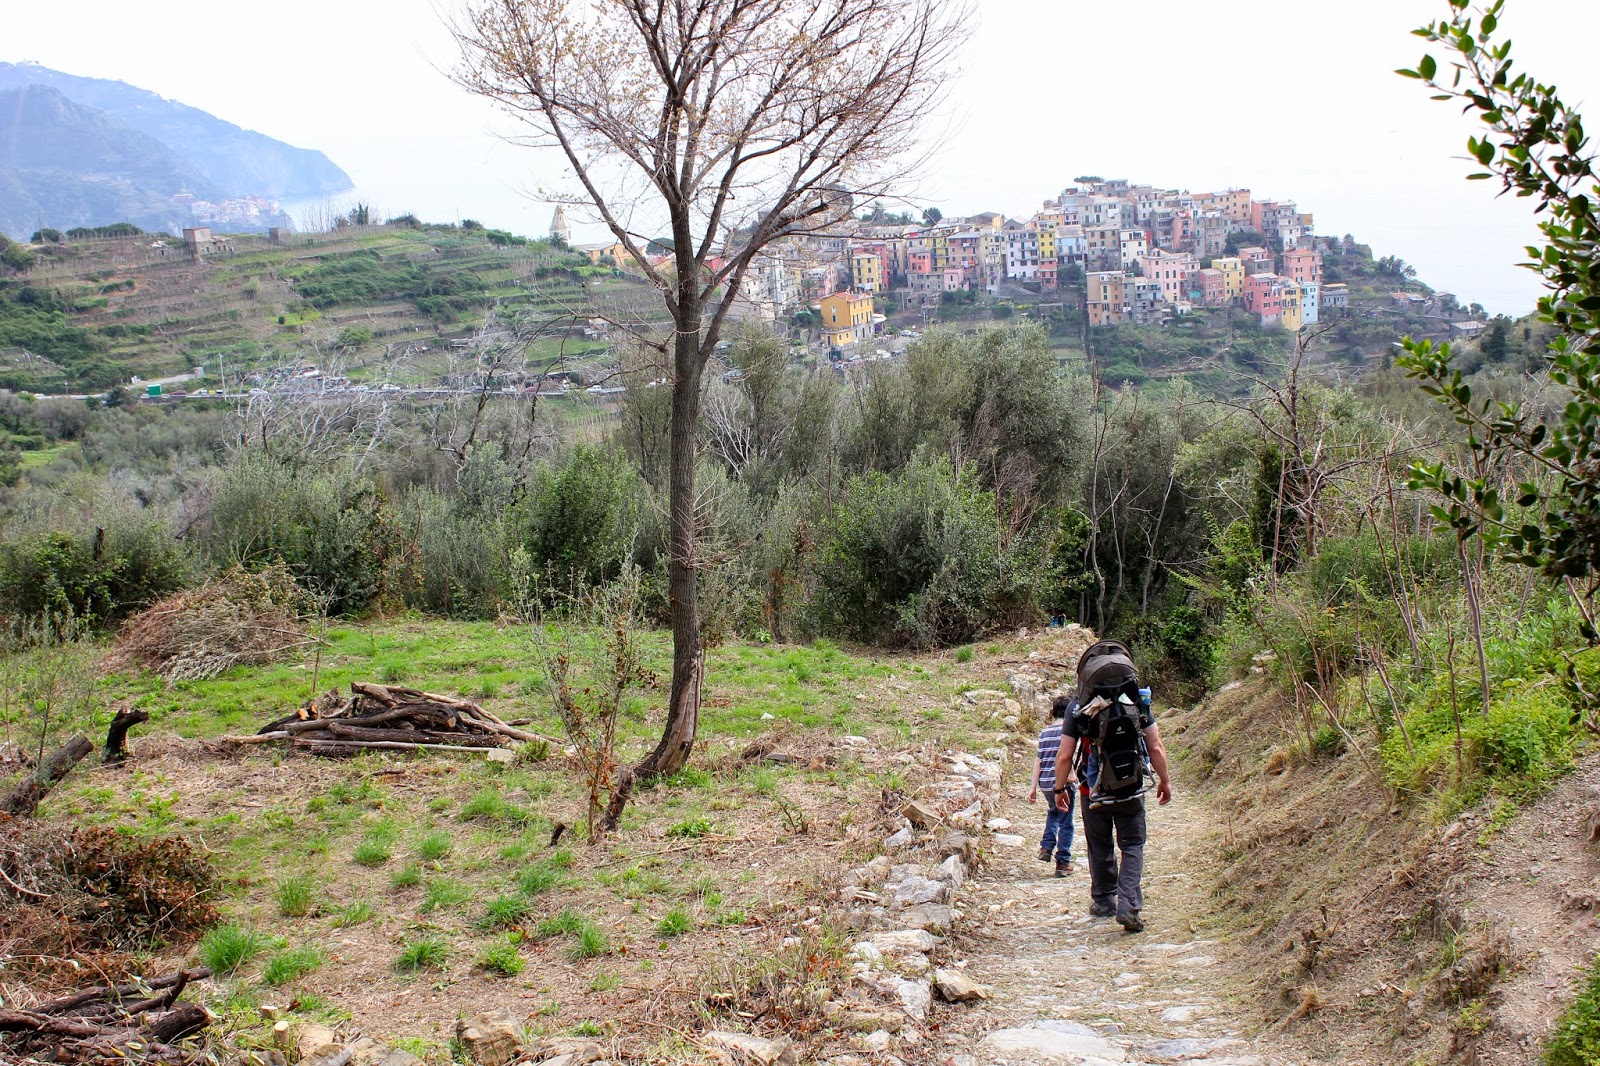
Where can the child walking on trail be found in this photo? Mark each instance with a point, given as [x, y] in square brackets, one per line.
[1057, 842]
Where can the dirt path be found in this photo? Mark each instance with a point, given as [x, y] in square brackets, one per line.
[1075, 990]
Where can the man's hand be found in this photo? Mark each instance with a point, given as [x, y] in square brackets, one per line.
[1063, 800]
[1163, 792]
[1033, 794]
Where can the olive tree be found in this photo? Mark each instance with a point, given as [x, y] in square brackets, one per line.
[1530, 485]
[727, 125]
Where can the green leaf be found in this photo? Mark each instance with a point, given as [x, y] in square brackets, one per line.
[1427, 68]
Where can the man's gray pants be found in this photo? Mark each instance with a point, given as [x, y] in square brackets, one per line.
[1107, 830]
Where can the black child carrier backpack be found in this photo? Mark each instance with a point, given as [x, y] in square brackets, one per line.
[1108, 694]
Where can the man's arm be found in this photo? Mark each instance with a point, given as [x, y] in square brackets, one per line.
[1033, 793]
[1065, 778]
[1158, 762]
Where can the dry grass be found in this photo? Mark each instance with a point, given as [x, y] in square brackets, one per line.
[93, 897]
[237, 619]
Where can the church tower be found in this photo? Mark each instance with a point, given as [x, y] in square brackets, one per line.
[559, 227]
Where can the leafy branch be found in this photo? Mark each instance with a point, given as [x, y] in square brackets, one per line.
[1535, 146]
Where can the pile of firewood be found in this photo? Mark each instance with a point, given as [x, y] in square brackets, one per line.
[139, 1022]
[384, 717]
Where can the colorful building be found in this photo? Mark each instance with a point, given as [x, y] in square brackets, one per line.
[1174, 271]
[866, 271]
[1132, 244]
[1301, 265]
[1105, 297]
[1291, 309]
[846, 319]
[1310, 303]
[1263, 297]
[1232, 270]
[1212, 287]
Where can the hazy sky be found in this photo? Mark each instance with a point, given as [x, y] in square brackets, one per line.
[1290, 98]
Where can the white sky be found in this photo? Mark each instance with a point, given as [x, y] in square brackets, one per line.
[1290, 98]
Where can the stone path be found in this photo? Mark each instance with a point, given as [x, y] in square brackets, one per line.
[1071, 990]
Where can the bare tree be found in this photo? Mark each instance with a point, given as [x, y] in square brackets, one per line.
[496, 359]
[733, 124]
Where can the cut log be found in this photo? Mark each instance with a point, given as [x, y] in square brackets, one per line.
[25, 797]
[26, 1020]
[179, 1023]
[351, 731]
[116, 748]
[351, 747]
[120, 992]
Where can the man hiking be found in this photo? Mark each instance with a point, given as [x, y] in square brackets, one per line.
[1108, 749]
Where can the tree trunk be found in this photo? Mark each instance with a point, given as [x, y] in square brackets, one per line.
[24, 799]
[116, 748]
[688, 659]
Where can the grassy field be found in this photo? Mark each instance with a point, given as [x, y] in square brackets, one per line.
[402, 891]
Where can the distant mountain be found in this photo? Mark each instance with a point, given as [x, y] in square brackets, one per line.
[65, 165]
[238, 162]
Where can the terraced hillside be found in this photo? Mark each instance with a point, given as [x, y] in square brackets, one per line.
[92, 314]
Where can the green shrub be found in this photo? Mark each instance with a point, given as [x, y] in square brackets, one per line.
[539, 876]
[424, 953]
[692, 828]
[582, 519]
[434, 846]
[565, 923]
[96, 575]
[294, 963]
[1577, 1036]
[502, 959]
[295, 895]
[371, 852]
[227, 947]
[676, 923]
[353, 914]
[913, 559]
[331, 528]
[442, 893]
[407, 876]
[505, 911]
[590, 940]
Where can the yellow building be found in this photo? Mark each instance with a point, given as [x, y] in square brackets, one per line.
[1047, 239]
[846, 319]
[1293, 316]
[1232, 269]
[941, 252]
[866, 271]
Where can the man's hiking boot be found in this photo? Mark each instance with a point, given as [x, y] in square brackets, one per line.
[1063, 867]
[1102, 910]
[1130, 921]
[1046, 854]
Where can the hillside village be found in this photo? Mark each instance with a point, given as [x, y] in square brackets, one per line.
[1122, 252]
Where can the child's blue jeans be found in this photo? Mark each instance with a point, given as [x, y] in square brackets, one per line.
[1058, 826]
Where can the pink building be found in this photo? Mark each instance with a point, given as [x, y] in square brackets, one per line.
[1173, 270]
[1263, 295]
[1302, 266]
[1213, 287]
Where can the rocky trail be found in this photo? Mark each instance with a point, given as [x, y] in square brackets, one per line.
[1066, 988]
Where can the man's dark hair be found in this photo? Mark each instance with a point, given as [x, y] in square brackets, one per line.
[1060, 707]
